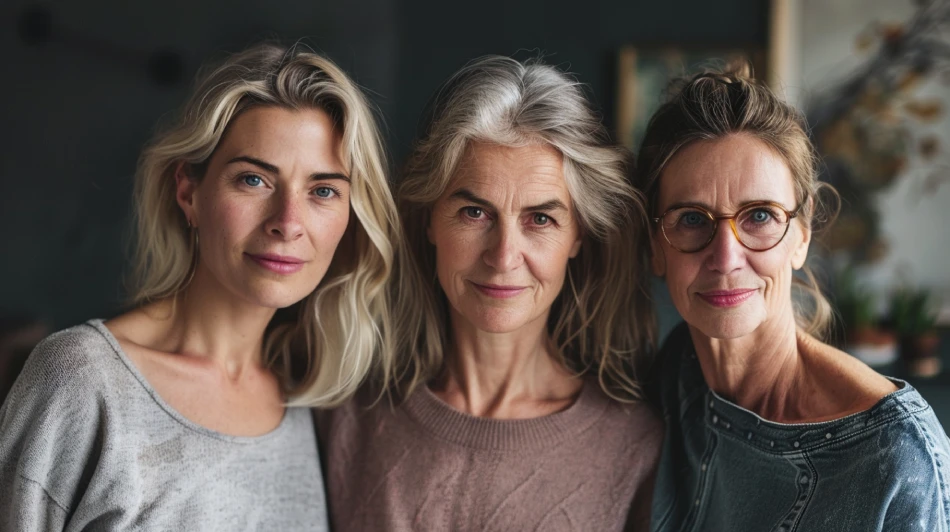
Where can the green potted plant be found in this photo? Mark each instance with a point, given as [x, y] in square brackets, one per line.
[857, 310]
[914, 318]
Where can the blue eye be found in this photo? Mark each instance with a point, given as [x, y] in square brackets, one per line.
[693, 218]
[324, 192]
[761, 216]
[541, 219]
[253, 180]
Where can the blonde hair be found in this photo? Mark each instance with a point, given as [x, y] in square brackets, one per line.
[325, 345]
[601, 320]
[715, 104]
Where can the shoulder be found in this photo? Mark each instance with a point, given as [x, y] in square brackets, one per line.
[635, 424]
[900, 437]
[62, 389]
[913, 453]
[909, 420]
[349, 417]
[70, 359]
[55, 412]
[676, 371]
[845, 380]
[64, 373]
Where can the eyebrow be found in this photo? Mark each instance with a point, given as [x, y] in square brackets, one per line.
[710, 209]
[468, 195]
[317, 176]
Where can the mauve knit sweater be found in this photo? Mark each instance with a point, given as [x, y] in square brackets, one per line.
[425, 466]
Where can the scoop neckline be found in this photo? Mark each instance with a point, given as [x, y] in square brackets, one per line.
[99, 325]
[449, 424]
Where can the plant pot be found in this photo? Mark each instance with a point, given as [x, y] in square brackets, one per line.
[874, 347]
[919, 354]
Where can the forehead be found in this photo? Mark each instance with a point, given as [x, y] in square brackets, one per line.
[511, 171]
[725, 174]
[280, 135]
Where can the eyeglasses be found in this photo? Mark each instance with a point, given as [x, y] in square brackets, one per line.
[758, 226]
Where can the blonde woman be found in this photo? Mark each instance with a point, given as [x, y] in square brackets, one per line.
[263, 229]
[521, 323]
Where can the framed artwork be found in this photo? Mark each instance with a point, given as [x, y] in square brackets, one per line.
[644, 75]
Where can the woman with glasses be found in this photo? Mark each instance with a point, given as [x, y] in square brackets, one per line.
[768, 428]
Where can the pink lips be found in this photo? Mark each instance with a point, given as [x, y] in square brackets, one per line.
[278, 263]
[498, 291]
[727, 298]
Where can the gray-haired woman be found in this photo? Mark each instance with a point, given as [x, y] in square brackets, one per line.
[522, 321]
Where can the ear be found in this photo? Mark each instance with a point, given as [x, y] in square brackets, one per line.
[800, 253]
[185, 187]
[657, 258]
[575, 248]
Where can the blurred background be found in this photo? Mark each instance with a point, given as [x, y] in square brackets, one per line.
[88, 82]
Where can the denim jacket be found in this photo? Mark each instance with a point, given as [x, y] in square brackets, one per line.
[724, 468]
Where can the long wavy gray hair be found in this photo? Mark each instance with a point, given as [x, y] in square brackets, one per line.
[601, 322]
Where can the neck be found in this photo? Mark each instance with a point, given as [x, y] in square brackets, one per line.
[207, 321]
[761, 372]
[505, 375]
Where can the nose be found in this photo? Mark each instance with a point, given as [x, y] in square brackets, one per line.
[286, 217]
[504, 252]
[725, 252]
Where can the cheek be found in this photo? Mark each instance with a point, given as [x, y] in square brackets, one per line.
[548, 262]
[229, 223]
[457, 252]
[776, 272]
[328, 227]
[681, 273]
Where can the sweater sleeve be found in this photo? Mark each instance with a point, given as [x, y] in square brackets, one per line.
[49, 433]
[25, 505]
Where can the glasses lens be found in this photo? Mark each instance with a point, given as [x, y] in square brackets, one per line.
[687, 228]
[761, 226]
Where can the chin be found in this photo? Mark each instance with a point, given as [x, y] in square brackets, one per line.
[498, 321]
[275, 297]
[727, 327]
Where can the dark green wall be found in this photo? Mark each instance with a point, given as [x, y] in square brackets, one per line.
[74, 122]
[436, 38]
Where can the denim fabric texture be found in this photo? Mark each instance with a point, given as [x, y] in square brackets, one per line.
[724, 468]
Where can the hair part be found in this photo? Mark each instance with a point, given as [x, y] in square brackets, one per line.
[324, 346]
[715, 104]
[601, 322]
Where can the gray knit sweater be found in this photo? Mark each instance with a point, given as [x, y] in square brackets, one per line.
[86, 443]
[426, 466]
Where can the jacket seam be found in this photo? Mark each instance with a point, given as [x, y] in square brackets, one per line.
[812, 486]
[894, 418]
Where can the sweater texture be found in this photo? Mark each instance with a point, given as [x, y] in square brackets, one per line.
[87, 444]
[422, 465]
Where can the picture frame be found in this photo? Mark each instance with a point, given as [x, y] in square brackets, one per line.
[644, 75]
